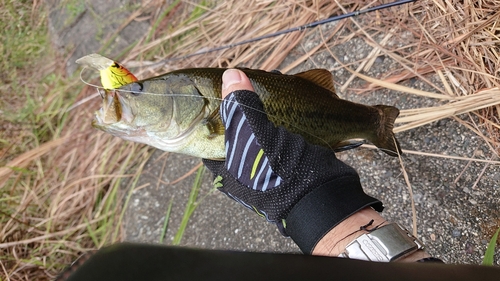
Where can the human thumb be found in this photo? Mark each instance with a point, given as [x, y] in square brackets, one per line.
[233, 80]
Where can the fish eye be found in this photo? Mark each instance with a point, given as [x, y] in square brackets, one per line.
[136, 88]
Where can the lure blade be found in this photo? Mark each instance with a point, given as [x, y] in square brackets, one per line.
[113, 74]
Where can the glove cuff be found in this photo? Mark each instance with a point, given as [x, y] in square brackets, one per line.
[324, 208]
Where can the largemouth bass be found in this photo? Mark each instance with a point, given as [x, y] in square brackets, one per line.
[179, 111]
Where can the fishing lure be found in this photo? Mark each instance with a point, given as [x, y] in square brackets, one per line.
[113, 74]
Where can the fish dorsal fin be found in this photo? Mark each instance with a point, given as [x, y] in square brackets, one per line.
[320, 77]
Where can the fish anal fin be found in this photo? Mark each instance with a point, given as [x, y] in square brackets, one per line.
[347, 145]
[320, 77]
[385, 139]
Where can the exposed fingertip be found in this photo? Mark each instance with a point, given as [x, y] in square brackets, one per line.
[233, 80]
[230, 77]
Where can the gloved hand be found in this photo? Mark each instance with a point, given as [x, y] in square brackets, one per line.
[302, 188]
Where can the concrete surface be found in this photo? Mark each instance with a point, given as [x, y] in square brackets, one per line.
[457, 202]
[79, 28]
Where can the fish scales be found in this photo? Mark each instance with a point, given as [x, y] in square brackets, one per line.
[178, 111]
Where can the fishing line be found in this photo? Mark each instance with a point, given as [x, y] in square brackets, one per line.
[88, 83]
[278, 33]
[282, 32]
[286, 31]
[186, 96]
[99, 92]
[80, 102]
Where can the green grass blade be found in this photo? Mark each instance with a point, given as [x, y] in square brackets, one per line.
[190, 206]
[142, 159]
[166, 221]
[91, 233]
[490, 251]
[160, 18]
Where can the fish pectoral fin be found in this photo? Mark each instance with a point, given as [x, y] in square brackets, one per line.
[347, 145]
[214, 124]
[321, 77]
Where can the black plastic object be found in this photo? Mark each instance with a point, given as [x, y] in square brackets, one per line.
[135, 262]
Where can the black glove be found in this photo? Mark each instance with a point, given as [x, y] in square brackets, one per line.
[302, 188]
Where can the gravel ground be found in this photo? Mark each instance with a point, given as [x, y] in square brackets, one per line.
[456, 201]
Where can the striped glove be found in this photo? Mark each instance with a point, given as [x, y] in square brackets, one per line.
[302, 188]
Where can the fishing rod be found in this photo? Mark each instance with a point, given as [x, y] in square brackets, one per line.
[278, 33]
[298, 28]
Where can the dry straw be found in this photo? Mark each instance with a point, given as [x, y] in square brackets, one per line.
[71, 201]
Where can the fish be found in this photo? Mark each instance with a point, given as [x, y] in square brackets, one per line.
[179, 111]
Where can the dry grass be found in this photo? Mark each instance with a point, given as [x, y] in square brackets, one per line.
[63, 196]
[68, 205]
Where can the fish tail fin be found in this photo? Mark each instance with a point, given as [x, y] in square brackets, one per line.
[385, 139]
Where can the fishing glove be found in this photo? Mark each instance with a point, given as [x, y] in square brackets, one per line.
[302, 188]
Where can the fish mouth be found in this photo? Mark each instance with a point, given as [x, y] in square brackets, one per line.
[113, 110]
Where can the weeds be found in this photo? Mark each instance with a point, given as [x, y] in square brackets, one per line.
[62, 182]
[490, 251]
